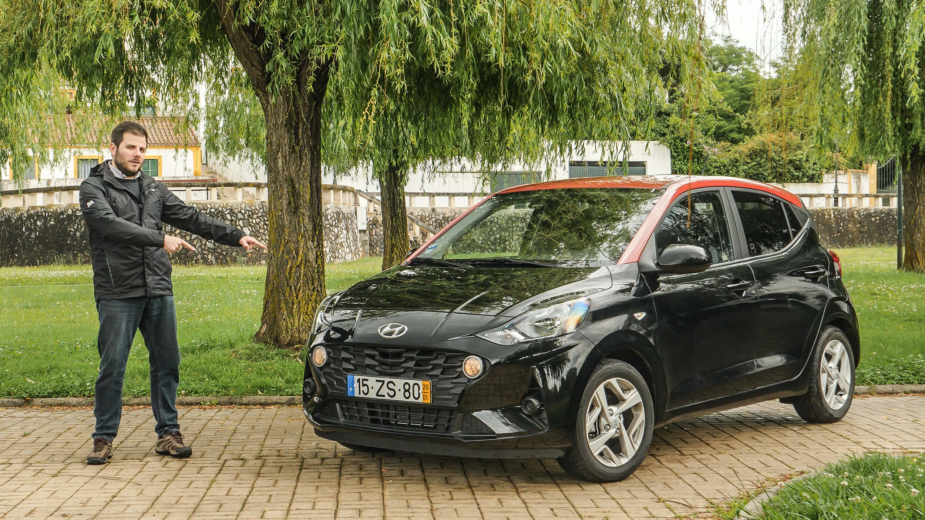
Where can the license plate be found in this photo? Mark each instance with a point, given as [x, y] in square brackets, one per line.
[407, 390]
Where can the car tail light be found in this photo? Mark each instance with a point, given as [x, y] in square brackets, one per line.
[837, 261]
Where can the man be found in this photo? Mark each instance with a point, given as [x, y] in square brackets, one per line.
[124, 210]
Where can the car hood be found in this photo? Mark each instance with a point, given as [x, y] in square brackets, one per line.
[484, 291]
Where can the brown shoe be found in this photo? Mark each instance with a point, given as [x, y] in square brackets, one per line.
[102, 452]
[172, 444]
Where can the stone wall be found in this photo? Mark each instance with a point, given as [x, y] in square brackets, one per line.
[57, 234]
[855, 227]
[435, 218]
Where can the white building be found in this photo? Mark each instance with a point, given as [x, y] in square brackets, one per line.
[171, 154]
[645, 158]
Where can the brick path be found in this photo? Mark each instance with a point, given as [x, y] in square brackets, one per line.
[267, 463]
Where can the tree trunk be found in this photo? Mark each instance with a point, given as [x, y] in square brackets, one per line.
[395, 243]
[914, 211]
[295, 283]
[295, 261]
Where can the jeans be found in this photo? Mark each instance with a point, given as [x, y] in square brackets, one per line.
[119, 319]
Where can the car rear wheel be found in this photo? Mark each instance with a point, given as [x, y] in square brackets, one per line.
[614, 426]
[831, 380]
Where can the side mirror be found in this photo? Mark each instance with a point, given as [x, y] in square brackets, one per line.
[411, 252]
[683, 259]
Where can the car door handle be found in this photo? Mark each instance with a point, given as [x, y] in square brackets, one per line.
[739, 286]
[814, 273]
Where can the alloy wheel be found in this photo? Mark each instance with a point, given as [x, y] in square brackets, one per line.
[835, 374]
[615, 422]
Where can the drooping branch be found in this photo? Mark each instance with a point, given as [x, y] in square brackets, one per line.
[246, 49]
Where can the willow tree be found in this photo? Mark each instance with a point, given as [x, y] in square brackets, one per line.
[566, 68]
[865, 59]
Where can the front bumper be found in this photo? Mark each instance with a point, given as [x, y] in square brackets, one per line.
[468, 418]
[545, 444]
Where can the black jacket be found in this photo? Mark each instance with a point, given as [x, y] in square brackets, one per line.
[127, 237]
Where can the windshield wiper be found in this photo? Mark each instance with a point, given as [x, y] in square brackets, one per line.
[440, 261]
[509, 262]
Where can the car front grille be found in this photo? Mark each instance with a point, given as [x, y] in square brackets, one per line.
[399, 417]
[443, 368]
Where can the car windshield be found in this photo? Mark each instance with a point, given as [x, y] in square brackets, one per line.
[579, 227]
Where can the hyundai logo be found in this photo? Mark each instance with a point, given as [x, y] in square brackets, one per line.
[392, 330]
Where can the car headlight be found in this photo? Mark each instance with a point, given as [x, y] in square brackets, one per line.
[319, 356]
[321, 322]
[548, 322]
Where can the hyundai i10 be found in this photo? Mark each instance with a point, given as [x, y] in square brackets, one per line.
[569, 319]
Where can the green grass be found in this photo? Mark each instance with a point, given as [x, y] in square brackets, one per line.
[48, 328]
[891, 311]
[49, 325]
[873, 486]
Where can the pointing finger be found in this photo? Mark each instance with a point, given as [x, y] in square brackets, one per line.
[186, 244]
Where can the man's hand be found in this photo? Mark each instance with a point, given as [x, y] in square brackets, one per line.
[173, 244]
[248, 242]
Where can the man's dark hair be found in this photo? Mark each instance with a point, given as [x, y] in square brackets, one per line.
[127, 126]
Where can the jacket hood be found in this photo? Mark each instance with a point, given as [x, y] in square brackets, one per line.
[486, 291]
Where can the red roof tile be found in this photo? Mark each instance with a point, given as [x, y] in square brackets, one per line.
[162, 131]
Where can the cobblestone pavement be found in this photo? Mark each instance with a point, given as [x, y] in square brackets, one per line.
[267, 463]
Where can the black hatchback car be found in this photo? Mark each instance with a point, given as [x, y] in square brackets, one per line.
[569, 319]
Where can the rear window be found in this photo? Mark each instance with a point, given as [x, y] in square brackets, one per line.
[764, 222]
[795, 218]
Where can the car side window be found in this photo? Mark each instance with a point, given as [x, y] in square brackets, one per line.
[763, 221]
[708, 226]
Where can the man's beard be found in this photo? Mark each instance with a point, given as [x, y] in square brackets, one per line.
[124, 167]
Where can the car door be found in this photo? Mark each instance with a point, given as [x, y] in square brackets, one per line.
[704, 319]
[790, 268]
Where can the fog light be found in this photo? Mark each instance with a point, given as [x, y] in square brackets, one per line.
[530, 405]
[472, 366]
[308, 388]
[319, 356]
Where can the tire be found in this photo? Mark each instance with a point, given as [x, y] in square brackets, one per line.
[817, 405]
[362, 449]
[607, 465]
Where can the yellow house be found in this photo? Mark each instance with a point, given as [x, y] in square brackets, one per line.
[173, 153]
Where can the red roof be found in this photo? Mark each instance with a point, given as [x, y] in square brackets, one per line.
[162, 131]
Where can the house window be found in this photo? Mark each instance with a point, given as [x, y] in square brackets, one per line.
[27, 172]
[577, 169]
[83, 164]
[504, 180]
[151, 167]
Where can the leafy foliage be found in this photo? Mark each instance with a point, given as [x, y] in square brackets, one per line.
[765, 157]
[490, 81]
[862, 62]
[386, 81]
[735, 78]
[742, 124]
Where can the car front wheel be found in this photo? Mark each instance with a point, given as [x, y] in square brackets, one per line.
[614, 426]
[831, 382]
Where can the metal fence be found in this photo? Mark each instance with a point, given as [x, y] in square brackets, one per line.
[886, 176]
